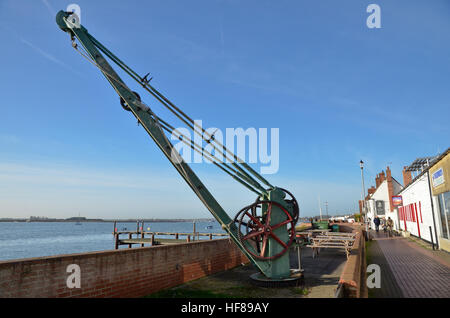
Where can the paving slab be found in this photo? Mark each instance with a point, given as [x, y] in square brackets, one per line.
[408, 270]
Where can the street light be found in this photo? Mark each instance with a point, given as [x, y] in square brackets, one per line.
[364, 210]
[361, 165]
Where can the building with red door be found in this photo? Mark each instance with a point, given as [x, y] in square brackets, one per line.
[421, 207]
[425, 195]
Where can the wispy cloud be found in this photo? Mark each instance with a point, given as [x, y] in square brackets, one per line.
[48, 56]
[49, 7]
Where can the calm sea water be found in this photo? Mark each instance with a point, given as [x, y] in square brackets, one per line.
[35, 239]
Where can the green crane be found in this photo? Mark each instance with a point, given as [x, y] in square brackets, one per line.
[264, 230]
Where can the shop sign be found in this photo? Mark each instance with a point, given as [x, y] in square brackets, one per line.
[438, 178]
[397, 200]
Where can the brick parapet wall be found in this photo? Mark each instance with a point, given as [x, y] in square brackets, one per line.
[132, 272]
[353, 275]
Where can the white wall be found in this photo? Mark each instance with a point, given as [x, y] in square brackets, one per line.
[382, 194]
[418, 193]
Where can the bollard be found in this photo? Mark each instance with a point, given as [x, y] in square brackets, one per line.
[299, 258]
[116, 241]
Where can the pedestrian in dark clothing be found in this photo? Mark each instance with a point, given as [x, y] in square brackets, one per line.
[376, 221]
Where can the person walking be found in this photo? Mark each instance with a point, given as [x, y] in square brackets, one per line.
[390, 226]
[376, 221]
[383, 225]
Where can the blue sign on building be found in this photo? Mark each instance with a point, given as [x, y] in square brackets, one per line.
[438, 177]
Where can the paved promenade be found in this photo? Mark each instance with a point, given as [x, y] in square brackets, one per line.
[321, 280]
[407, 269]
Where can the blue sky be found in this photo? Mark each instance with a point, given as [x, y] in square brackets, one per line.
[338, 91]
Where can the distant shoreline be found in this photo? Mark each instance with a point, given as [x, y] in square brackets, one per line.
[83, 220]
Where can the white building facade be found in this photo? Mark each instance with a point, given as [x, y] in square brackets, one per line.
[423, 208]
[416, 214]
[440, 188]
[379, 200]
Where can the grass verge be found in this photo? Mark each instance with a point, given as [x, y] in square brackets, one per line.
[370, 292]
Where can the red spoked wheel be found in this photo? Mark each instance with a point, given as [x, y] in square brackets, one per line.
[256, 229]
[246, 222]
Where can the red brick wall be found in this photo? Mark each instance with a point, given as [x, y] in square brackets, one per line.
[132, 272]
[390, 189]
[353, 275]
[407, 178]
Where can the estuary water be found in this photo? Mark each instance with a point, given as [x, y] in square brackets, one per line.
[35, 239]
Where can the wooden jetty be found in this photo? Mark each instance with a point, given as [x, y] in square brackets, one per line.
[146, 237]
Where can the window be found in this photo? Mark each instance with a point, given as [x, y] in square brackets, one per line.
[444, 208]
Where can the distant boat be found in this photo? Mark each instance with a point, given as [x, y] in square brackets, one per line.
[209, 227]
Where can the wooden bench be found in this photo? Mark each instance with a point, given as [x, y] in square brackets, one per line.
[341, 234]
[336, 240]
[312, 233]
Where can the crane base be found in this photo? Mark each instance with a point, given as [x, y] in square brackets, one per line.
[295, 279]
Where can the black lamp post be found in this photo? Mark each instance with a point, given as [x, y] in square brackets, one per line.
[364, 208]
[361, 165]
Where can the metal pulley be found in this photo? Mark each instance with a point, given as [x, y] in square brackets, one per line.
[125, 105]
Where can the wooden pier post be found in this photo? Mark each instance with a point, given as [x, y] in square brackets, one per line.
[130, 236]
[116, 241]
[142, 233]
[116, 236]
